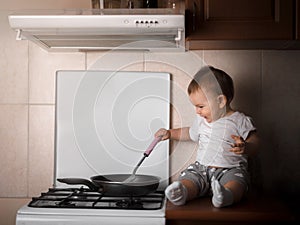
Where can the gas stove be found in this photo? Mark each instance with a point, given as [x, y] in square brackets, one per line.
[83, 198]
[81, 206]
[105, 120]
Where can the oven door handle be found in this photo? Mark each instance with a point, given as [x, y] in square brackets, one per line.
[81, 181]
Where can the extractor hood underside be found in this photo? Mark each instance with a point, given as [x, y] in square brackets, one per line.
[153, 41]
[102, 31]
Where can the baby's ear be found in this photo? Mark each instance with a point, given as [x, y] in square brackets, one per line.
[222, 100]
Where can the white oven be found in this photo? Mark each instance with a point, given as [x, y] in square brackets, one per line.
[105, 120]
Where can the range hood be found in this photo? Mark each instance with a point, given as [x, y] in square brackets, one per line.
[102, 29]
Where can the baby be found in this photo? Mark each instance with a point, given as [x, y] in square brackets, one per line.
[225, 139]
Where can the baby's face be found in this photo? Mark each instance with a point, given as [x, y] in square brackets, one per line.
[206, 106]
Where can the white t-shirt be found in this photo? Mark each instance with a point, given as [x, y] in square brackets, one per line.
[215, 139]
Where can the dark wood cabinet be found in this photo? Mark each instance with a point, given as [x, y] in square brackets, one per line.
[239, 21]
[297, 13]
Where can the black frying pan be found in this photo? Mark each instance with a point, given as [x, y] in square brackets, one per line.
[113, 184]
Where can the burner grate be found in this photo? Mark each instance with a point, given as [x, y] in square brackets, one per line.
[83, 198]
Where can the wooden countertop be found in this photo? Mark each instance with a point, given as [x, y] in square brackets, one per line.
[250, 210]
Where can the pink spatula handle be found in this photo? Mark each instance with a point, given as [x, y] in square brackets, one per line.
[152, 145]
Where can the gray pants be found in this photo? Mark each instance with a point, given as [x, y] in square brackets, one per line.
[201, 176]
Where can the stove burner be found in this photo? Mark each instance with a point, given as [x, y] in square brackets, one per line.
[85, 198]
[130, 203]
[75, 195]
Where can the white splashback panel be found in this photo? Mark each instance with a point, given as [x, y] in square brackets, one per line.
[105, 121]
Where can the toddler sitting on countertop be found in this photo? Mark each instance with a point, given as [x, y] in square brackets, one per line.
[225, 140]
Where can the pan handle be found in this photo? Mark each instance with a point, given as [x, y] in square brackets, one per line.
[78, 181]
[152, 145]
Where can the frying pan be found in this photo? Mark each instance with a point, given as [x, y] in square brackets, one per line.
[113, 185]
[121, 184]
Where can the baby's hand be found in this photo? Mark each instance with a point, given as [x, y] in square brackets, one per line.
[163, 133]
[239, 145]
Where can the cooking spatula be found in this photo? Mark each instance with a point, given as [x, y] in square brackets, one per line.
[146, 154]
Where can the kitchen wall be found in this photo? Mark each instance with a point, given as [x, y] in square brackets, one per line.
[267, 88]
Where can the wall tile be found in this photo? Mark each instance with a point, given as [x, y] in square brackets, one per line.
[187, 62]
[41, 148]
[42, 71]
[13, 150]
[13, 64]
[182, 67]
[9, 208]
[281, 97]
[115, 61]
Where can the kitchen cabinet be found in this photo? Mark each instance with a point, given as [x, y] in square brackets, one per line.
[298, 19]
[234, 23]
